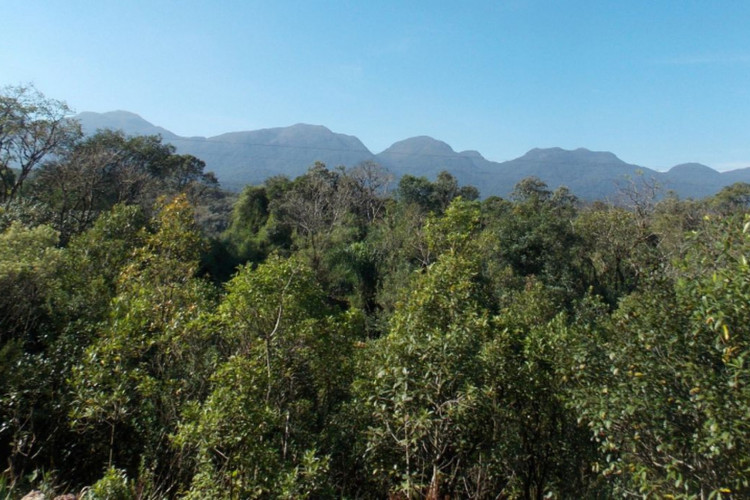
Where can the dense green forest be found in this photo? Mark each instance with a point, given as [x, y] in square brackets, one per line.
[340, 335]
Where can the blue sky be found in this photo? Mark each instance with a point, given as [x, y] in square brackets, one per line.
[656, 82]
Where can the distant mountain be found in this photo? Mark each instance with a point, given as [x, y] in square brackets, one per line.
[693, 180]
[240, 158]
[588, 174]
[425, 156]
[128, 122]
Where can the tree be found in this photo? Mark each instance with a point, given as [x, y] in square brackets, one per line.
[397, 245]
[418, 381]
[28, 261]
[32, 128]
[372, 184]
[249, 216]
[328, 210]
[313, 207]
[528, 443]
[731, 199]
[415, 190]
[152, 354]
[531, 189]
[640, 195]
[612, 250]
[61, 296]
[433, 196]
[663, 385]
[285, 370]
[109, 168]
[77, 185]
[536, 235]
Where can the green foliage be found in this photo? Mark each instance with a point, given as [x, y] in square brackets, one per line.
[416, 191]
[28, 261]
[427, 345]
[433, 196]
[536, 237]
[669, 403]
[461, 396]
[399, 245]
[417, 383]
[6, 488]
[108, 168]
[455, 231]
[32, 128]
[91, 265]
[538, 448]
[287, 369]
[249, 217]
[114, 485]
[26, 212]
[149, 357]
[613, 251]
[732, 199]
[56, 299]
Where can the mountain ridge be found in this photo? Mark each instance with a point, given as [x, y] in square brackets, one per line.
[250, 157]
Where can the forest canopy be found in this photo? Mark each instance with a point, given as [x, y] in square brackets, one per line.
[341, 335]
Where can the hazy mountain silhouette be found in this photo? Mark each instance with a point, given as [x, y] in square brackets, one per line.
[240, 158]
[128, 122]
[588, 174]
[425, 156]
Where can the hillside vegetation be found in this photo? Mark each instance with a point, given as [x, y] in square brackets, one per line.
[339, 336]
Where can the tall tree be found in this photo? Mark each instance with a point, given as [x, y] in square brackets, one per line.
[536, 237]
[148, 357]
[285, 369]
[32, 128]
[418, 381]
[108, 168]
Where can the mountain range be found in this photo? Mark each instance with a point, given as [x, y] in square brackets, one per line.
[241, 158]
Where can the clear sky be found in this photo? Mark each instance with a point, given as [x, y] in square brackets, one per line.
[656, 82]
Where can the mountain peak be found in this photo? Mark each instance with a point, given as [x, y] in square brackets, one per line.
[118, 114]
[309, 127]
[470, 153]
[692, 169]
[128, 122]
[420, 145]
[298, 135]
[581, 155]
